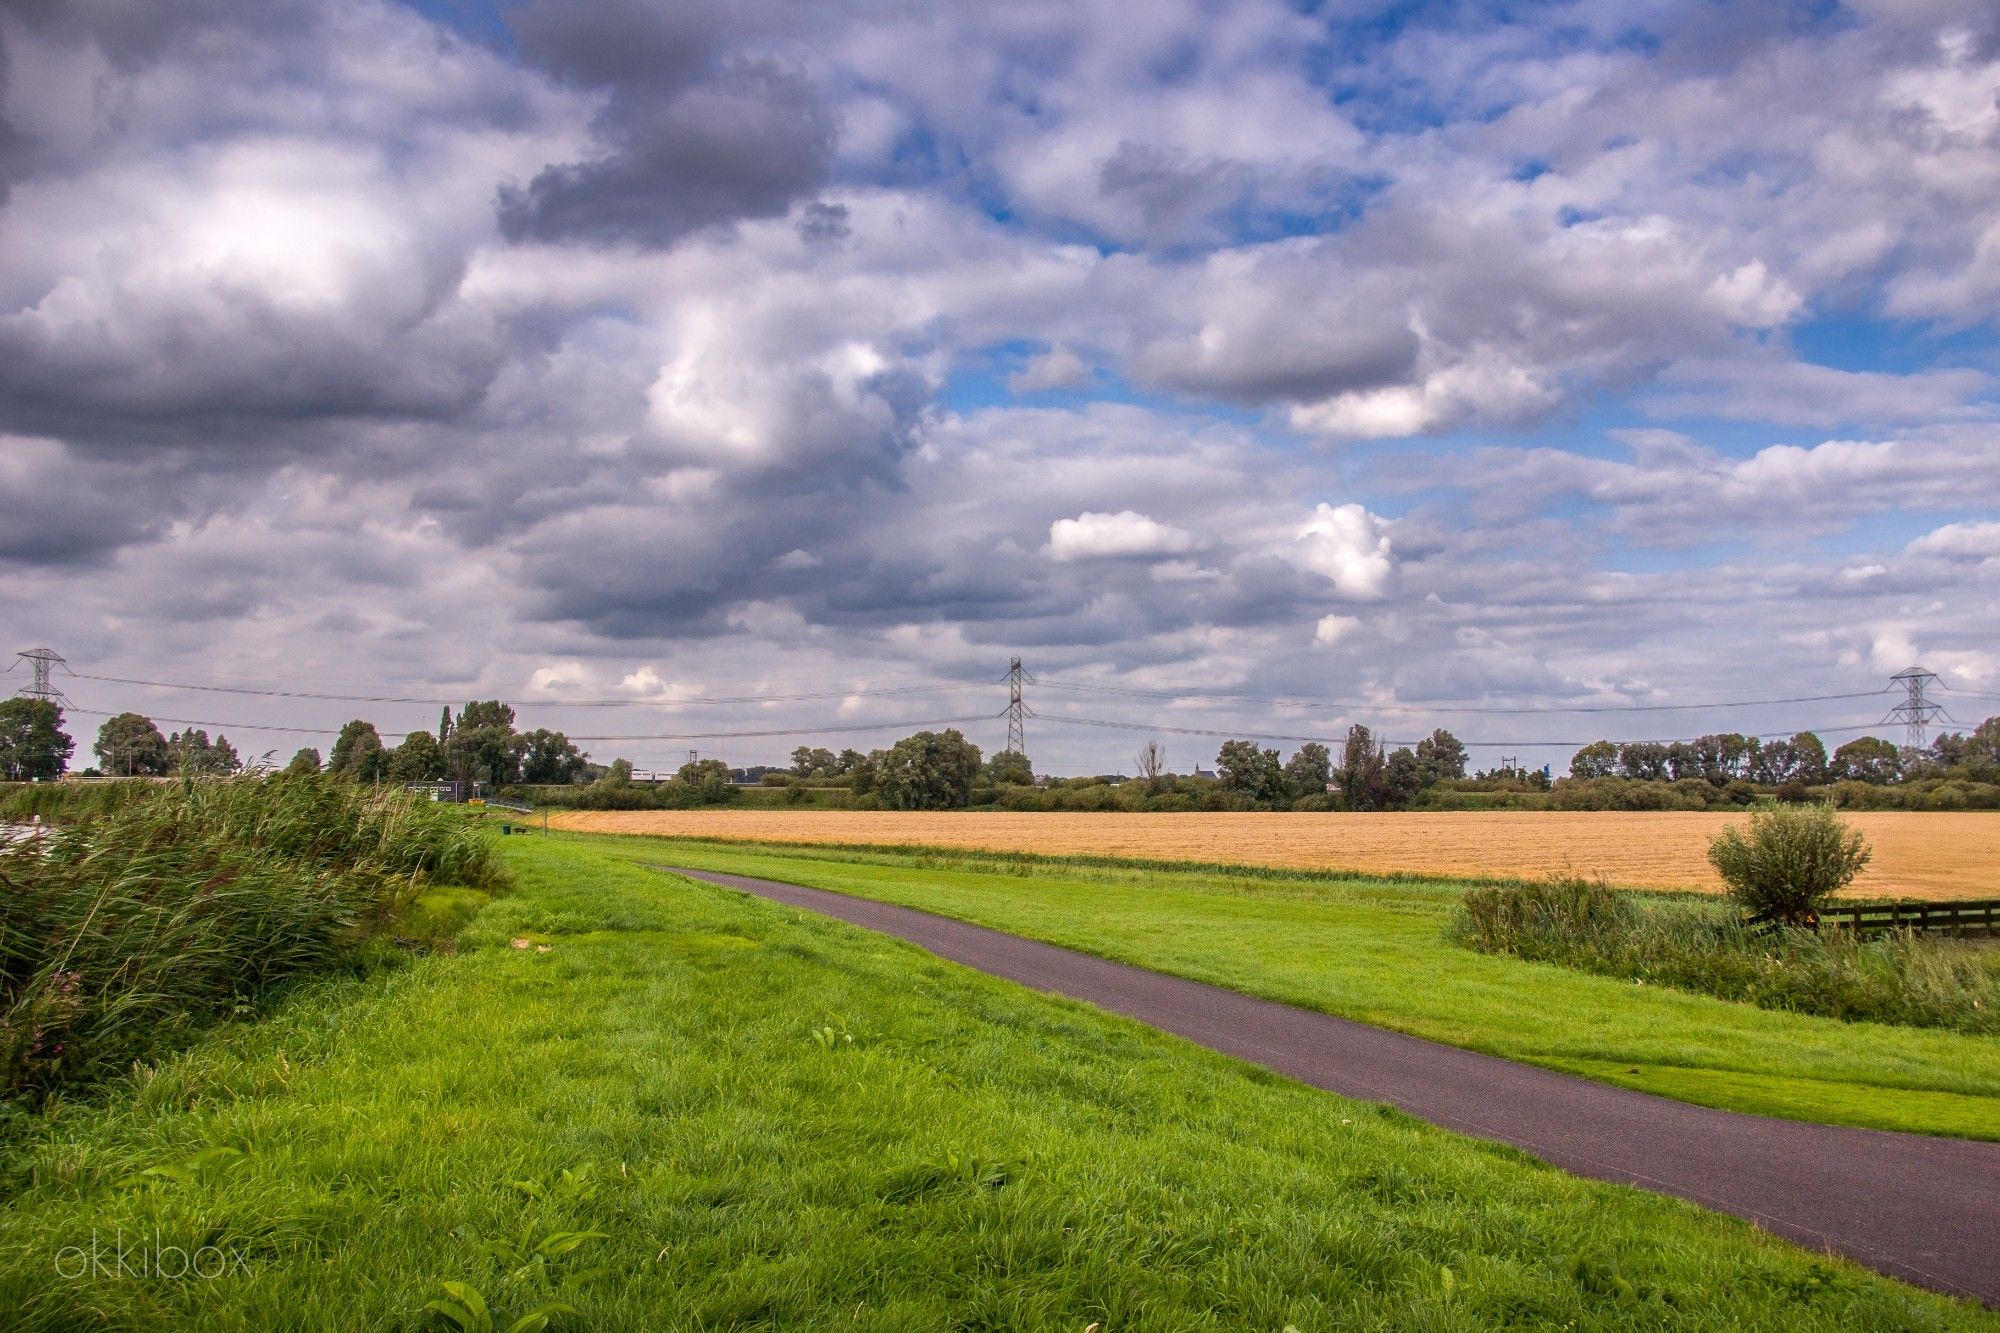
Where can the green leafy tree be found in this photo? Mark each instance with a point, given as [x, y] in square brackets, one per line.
[1808, 758]
[129, 745]
[419, 758]
[304, 762]
[358, 754]
[1867, 759]
[1684, 761]
[483, 746]
[550, 757]
[1646, 761]
[932, 770]
[708, 779]
[1403, 776]
[191, 751]
[1247, 771]
[862, 773]
[32, 741]
[1309, 771]
[1789, 861]
[847, 761]
[1011, 767]
[1975, 756]
[1599, 759]
[811, 762]
[1361, 776]
[1442, 756]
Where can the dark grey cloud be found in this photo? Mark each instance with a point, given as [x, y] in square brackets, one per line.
[59, 510]
[692, 136]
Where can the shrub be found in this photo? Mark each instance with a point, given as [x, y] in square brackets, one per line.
[1789, 862]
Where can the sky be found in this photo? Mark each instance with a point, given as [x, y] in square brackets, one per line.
[789, 368]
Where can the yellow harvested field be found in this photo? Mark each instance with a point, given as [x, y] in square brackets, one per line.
[1920, 855]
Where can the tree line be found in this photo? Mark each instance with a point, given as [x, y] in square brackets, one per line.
[943, 770]
[1956, 769]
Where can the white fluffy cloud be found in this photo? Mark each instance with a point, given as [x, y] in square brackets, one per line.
[1125, 533]
[1349, 547]
[1963, 541]
[1057, 368]
[1333, 628]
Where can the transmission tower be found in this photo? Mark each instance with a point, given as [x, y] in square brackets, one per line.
[1916, 712]
[1017, 712]
[45, 661]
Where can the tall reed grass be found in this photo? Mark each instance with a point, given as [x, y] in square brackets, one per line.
[1899, 977]
[66, 802]
[121, 935]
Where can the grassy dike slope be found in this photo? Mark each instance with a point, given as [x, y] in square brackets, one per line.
[1375, 951]
[779, 1121]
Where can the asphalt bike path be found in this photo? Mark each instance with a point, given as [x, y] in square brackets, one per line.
[1923, 1209]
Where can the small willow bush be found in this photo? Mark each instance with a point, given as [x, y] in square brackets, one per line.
[1789, 862]
[121, 935]
[1897, 978]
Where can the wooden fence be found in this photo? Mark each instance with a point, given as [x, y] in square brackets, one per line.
[1981, 918]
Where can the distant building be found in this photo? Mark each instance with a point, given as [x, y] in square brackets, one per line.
[450, 791]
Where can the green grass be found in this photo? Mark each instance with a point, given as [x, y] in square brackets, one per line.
[705, 1111]
[1378, 951]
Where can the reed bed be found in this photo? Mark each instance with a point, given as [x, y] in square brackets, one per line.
[68, 802]
[123, 934]
[1898, 977]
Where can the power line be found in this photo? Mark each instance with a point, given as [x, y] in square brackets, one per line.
[1371, 706]
[938, 688]
[668, 736]
[1337, 740]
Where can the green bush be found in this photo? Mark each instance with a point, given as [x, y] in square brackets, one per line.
[120, 936]
[1899, 978]
[1789, 861]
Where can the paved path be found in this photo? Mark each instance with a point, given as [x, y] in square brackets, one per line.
[1923, 1209]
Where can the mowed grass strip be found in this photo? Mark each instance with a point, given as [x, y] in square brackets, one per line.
[775, 1120]
[1377, 952]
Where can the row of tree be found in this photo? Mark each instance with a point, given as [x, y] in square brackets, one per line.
[1727, 757]
[942, 770]
[1366, 776]
[132, 745]
[480, 744]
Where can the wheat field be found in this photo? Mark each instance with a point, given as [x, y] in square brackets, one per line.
[1920, 855]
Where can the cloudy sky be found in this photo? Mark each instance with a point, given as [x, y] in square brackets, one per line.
[1409, 359]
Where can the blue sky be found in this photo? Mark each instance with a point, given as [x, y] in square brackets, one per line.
[1613, 352]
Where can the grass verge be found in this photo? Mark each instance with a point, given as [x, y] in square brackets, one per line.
[699, 1111]
[1379, 952]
